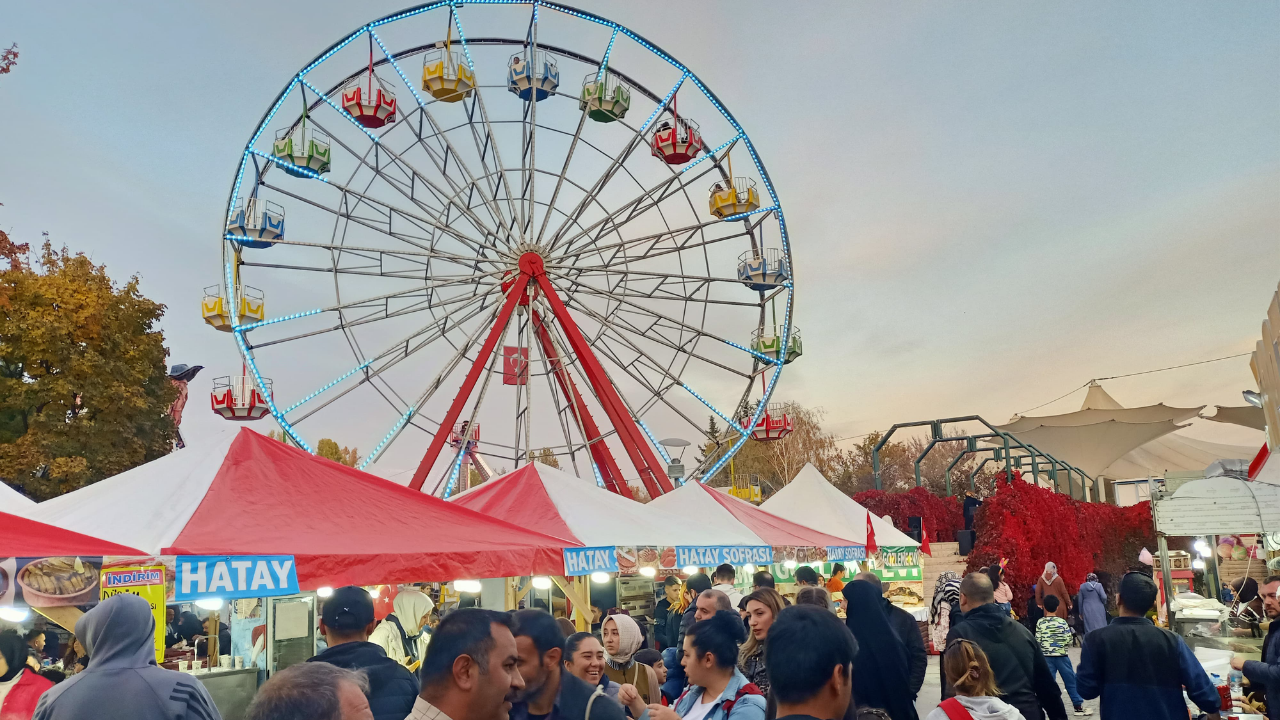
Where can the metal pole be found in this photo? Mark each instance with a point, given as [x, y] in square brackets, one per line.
[1166, 578]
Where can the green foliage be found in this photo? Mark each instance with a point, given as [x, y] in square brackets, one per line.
[546, 457]
[84, 390]
[327, 448]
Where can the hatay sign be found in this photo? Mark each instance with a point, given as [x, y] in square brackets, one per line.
[234, 576]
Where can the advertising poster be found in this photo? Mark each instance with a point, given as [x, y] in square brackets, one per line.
[50, 581]
[148, 583]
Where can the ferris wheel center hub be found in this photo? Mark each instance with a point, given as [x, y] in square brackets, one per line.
[531, 264]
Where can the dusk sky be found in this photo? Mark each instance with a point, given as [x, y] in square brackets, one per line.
[989, 204]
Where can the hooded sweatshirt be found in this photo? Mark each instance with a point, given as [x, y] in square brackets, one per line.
[981, 708]
[123, 682]
[392, 688]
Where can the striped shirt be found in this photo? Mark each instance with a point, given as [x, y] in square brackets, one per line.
[1054, 636]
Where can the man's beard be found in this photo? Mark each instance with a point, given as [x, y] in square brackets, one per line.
[531, 688]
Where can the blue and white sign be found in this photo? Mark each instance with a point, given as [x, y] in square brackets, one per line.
[846, 553]
[234, 576]
[711, 556]
[584, 561]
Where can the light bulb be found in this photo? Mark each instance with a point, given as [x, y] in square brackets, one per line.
[466, 586]
[14, 614]
[1202, 548]
[599, 577]
[374, 592]
[790, 564]
[648, 571]
[1197, 564]
[689, 570]
[324, 592]
[749, 568]
[212, 603]
[541, 582]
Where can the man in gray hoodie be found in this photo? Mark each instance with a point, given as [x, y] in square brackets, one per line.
[123, 681]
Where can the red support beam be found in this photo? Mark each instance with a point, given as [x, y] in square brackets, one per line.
[600, 452]
[651, 470]
[464, 392]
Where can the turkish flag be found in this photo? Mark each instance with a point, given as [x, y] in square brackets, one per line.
[924, 539]
[872, 548]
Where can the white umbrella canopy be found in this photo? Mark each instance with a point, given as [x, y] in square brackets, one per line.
[14, 502]
[809, 499]
[1101, 432]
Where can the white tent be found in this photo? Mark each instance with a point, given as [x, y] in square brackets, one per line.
[14, 502]
[811, 500]
[1174, 453]
[555, 503]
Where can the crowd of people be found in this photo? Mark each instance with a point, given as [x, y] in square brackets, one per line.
[762, 658]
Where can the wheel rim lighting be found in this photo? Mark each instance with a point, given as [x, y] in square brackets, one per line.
[648, 571]
[466, 586]
[213, 603]
[14, 614]
[541, 582]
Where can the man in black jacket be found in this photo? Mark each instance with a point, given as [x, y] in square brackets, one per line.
[1266, 672]
[1021, 672]
[666, 628]
[549, 692]
[346, 621]
[908, 632]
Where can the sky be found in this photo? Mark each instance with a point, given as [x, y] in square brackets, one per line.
[988, 204]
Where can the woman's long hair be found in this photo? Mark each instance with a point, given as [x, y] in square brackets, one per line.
[967, 669]
[770, 599]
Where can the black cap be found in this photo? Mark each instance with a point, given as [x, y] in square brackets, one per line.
[348, 609]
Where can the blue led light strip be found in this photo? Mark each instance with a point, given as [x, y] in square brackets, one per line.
[273, 321]
[723, 417]
[396, 66]
[343, 112]
[394, 429]
[457, 467]
[757, 211]
[286, 164]
[312, 396]
[761, 356]
[408, 13]
[663, 104]
[595, 469]
[604, 64]
[657, 446]
[723, 145]
[457, 22]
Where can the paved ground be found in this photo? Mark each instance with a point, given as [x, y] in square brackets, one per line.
[931, 693]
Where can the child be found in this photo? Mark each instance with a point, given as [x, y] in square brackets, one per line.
[967, 669]
[1054, 635]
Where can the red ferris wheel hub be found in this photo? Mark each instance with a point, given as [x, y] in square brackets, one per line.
[531, 264]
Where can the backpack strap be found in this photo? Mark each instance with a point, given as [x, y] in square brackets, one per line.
[954, 710]
[748, 689]
[592, 701]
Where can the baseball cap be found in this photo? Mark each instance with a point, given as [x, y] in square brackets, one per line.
[348, 609]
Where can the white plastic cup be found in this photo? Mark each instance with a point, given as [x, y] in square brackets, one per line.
[224, 661]
[239, 662]
[182, 666]
[197, 666]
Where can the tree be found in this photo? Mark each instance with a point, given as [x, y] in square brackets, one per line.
[546, 457]
[8, 59]
[776, 462]
[327, 448]
[84, 390]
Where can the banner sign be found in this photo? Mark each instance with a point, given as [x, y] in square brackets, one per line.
[897, 557]
[709, 556]
[584, 561]
[238, 576]
[145, 582]
[855, 553]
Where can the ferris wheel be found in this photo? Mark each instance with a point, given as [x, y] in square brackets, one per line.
[515, 217]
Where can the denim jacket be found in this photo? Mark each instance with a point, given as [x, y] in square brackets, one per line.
[748, 707]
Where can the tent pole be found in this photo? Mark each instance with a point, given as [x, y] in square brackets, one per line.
[1166, 578]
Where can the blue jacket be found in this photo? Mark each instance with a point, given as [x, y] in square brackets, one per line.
[1267, 672]
[748, 707]
[1140, 671]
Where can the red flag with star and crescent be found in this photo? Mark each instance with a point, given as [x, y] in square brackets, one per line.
[872, 548]
[924, 539]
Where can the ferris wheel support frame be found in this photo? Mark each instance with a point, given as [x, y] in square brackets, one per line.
[651, 471]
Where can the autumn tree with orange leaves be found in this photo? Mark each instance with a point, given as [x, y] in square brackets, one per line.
[84, 391]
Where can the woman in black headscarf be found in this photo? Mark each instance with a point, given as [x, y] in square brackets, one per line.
[880, 678]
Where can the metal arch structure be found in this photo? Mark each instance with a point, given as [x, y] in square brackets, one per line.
[577, 297]
[1005, 451]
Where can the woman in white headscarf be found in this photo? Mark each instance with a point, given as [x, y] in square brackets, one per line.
[1051, 583]
[401, 634]
[622, 638]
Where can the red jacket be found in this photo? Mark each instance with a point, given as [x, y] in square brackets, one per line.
[20, 703]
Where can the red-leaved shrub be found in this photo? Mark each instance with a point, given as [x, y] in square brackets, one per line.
[1030, 526]
[942, 516]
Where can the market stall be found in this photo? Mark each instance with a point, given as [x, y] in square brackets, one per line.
[214, 514]
[782, 543]
[623, 546]
[810, 499]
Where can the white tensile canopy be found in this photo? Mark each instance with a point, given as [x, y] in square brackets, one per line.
[809, 499]
[14, 502]
[1243, 415]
